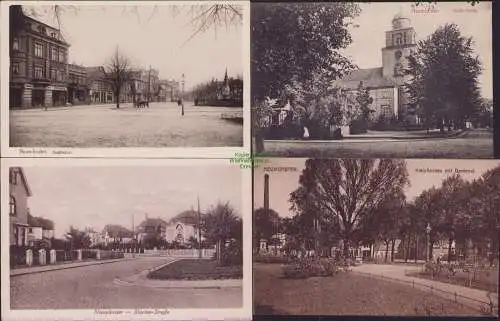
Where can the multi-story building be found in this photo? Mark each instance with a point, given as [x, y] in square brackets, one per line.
[100, 90]
[184, 227]
[38, 62]
[168, 90]
[19, 191]
[77, 85]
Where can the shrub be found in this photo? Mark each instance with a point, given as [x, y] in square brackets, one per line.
[232, 255]
[260, 258]
[311, 267]
[358, 126]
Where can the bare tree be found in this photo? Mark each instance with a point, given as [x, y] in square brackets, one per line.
[117, 71]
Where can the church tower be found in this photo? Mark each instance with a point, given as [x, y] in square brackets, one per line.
[400, 42]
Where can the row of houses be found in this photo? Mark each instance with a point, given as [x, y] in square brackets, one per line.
[40, 74]
[181, 229]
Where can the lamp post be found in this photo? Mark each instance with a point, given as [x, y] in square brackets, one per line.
[427, 243]
[182, 94]
[70, 237]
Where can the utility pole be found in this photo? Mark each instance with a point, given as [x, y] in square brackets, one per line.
[199, 229]
[182, 94]
[149, 84]
[133, 236]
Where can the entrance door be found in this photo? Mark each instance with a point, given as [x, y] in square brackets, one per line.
[38, 98]
[15, 97]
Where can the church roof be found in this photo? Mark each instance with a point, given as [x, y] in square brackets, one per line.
[371, 78]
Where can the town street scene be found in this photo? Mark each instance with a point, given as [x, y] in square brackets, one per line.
[376, 237]
[381, 80]
[100, 237]
[126, 75]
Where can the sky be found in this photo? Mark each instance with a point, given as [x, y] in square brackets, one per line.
[94, 32]
[281, 183]
[375, 19]
[96, 196]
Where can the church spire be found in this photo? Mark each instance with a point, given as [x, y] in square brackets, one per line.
[225, 77]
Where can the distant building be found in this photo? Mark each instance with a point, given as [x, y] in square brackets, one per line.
[48, 234]
[19, 191]
[38, 62]
[184, 227]
[228, 92]
[169, 90]
[151, 228]
[78, 90]
[100, 90]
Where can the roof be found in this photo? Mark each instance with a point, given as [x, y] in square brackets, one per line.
[153, 222]
[25, 181]
[187, 217]
[371, 78]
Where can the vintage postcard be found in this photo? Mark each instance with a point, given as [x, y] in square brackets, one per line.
[376, 237]
[125, 240]
[125, 78]
[378, 80]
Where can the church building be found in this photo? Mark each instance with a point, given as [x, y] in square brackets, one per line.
[385, 83]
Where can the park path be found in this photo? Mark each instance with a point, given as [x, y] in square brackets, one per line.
[475, 298]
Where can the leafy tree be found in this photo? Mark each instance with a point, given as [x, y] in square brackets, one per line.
[79, 239]
[364, 100]
[346, 191]
[444, 78]
[264, 226]
[44, 223]
[219, 226]
[118, 231]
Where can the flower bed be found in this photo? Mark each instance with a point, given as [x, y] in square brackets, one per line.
[311, 267]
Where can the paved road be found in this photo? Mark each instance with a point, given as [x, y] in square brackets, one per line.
[96, 286]
[161, 125]
[476, 144]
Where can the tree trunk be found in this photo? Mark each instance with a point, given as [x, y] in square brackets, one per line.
[450, 241]
[393, 245]
[407, 249]
[346, 249]
[117, 99]
[386, 250]
[259, 141]
[416, 249]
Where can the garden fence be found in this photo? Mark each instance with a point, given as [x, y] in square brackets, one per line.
[187, 253]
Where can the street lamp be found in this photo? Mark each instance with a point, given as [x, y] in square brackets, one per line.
[427, 246]
[70, 237]
[182, 94]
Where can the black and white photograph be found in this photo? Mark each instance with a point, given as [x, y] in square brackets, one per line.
[125, 74]
[144, 240]
[378, 80]
[376, 237]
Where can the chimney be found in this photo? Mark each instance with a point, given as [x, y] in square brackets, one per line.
[266, 192]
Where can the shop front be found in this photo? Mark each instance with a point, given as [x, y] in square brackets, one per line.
[59, 95]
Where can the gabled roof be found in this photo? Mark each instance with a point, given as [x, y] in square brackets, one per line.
[371, 78]
[153, 222]
[187, 217]
[25, 181]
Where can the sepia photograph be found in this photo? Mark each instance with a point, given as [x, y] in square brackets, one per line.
[127, 238]
[125, 74]
[378, 80]
[376, 237]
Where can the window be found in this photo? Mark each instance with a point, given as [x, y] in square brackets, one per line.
[38, 72]
[38, 49]
[54, 54]
[61, 55]
[15, 43]
[12, 206]
[398, 54]
[398, 39]
[13, 177]
[15, 68]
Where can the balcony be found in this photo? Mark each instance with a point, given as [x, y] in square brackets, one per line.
[41, 80]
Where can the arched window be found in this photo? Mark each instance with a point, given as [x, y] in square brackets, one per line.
[12, 206]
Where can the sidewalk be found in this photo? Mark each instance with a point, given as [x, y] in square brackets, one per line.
[61, 266]
[475, 298]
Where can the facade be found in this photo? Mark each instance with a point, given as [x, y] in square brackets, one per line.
[100, 90]
[19, 191]
[48, 234]
[151, 228]
[184, 227]
[35, 233]
[168, 90]
[38, 63]
[385, 83]
[78, 90]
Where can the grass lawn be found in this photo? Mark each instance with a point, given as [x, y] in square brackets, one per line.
[485, 280]
[195, 269]
[344, 294]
